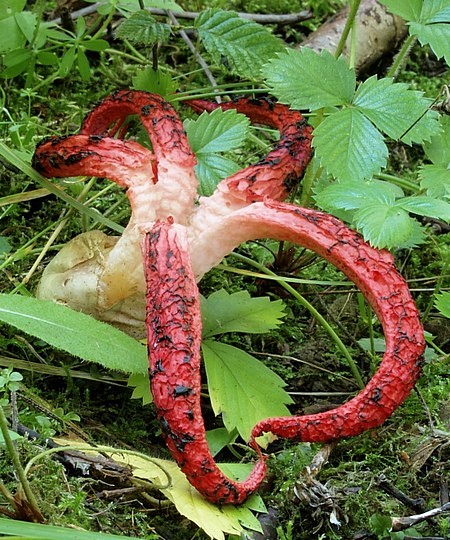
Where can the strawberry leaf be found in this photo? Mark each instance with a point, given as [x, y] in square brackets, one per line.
[395, 109]
[239, 312]
[349, 146]
[141, 387]
[437, 149]
[242, 44]
[242, 388]
[384, 225]
[436, 180]
[219, 131]
[426, 206]
[142, 29]
[442, 303]
[308, 80]
[354, 195]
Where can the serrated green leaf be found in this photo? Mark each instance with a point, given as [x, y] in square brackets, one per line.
[442, 303]
[239, 312]
[242, 388]
[211, 169]
[436, 180]
[140, 383]
[155, 81]
[354, 195]
[349, 146]
[407, 9]
[242, 44]
[384, 225]
[73, 332]
[218, 131]
[143, 29]
[393, 107]
[438, 148]
[308, 80]
[426, 206]
[437, 36]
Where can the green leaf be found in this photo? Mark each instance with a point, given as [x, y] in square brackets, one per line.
[9, 7]
[73, 332]
[50, 532]
[143, 29]
[307, 80]
[354, 195]
[12, 435]
[239, 312]
[438, 148]
[211, 169]
[349, 146]
[407, 9]
[384, 225]
[442, 303]
[219, 438]
[436, 180]
[11, 36]
[141, 384]
[243, 45]
[218, 131]
[97, 45]
[240, 387]
[83, 65]
[426, 206]
[155, 81]
[393, 107]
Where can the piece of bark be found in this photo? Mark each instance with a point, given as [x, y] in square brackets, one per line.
[377, 33]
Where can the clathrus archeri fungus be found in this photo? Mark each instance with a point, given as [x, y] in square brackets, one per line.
[182, 236]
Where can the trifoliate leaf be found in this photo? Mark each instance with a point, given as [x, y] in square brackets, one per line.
[442, 303]
[349, 146]
[436, 180]
[242, 388]
[307, 80]
[426, 206]
[242, 45]
[384, 225]
[211, 169]
[141, 28]
[73, 332]
[155, 81]
[438, 148]
[394, 108]
[218, 131]
[239, 312]
[354, 195]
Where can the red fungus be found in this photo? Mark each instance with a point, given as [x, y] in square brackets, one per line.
[182, 239]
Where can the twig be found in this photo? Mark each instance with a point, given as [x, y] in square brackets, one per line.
[416, 504]
[194, 51]
[261, 18]
[400, 524]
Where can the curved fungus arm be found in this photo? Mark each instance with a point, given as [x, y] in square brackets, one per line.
[174, 337]
[275, 175]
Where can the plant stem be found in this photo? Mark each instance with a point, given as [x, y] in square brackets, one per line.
[400, 182]
[354, 6]
[18, 467]
[401, 57]
[319, 318]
